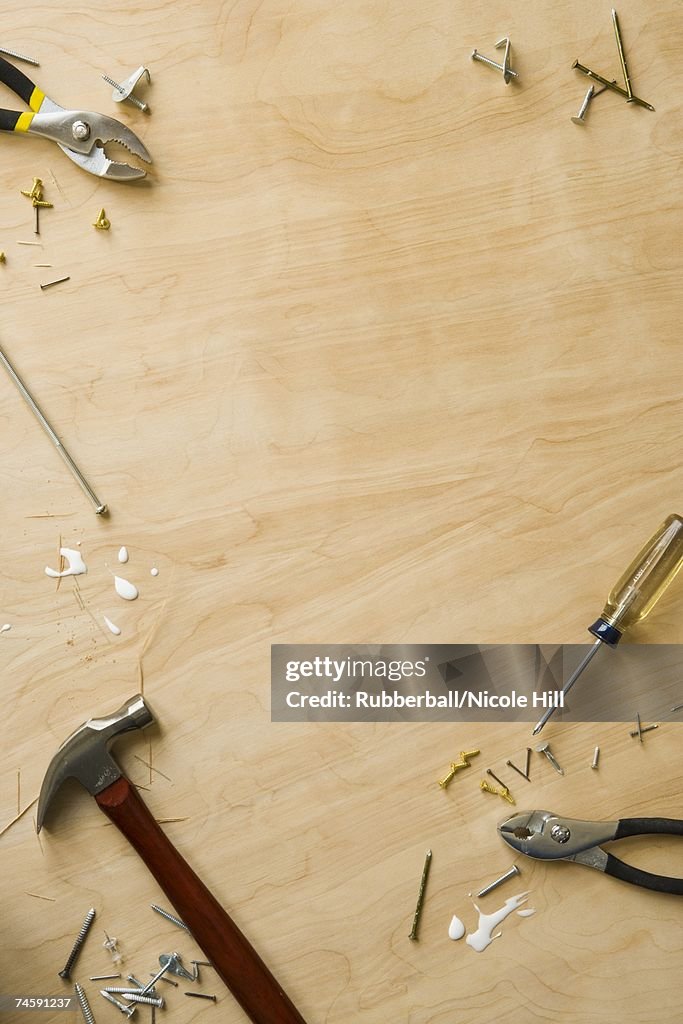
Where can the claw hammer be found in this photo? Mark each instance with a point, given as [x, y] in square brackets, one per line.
[85, 756]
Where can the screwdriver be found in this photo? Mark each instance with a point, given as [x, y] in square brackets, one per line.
[634, 595]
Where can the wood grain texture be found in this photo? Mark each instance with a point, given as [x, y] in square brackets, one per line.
[382, 351]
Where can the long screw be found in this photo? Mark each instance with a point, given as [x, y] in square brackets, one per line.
[133, 99]
[169, 917]
[514, 870]
[492, 64]
[85, 1005]
[611, 85]
[133, 997]
[99, 507]
[421, 895]
[19, 56]
[80, 939]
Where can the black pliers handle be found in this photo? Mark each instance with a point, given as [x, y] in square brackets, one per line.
[547, 836]
[81, 134]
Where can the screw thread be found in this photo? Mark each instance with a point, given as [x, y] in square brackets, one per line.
[80, 938]
[145, 1000]
[85, 1005]
[114, 85]
[170, 917]
[19, 56]
[136, 102]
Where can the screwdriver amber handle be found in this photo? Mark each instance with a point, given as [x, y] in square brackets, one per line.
[641, 586]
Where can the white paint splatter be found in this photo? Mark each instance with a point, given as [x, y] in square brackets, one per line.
[128, 591]
[112, 627]
[526, 913]
[154, 571]
[123, 555]
[483, 937]
[456, 928]
[76, 564]
[5, 628]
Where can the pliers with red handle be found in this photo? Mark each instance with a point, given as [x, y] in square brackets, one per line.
[81, 134]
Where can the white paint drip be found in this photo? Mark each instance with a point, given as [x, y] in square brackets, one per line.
[123, 555]
[5, 628]
[483, 937]
[154, 571]
[128, 591]
[456, 928]
[76, 564]
[112, 627]
[526, 913]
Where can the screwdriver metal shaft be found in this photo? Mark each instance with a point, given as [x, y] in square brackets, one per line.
[633, 596]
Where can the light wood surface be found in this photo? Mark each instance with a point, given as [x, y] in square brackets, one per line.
[382, 351]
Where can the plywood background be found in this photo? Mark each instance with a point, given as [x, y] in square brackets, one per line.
[382, 351]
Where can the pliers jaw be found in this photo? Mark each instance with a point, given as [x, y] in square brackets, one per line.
[546, 836]
[82, 134]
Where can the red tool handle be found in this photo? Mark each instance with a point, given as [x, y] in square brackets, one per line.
[237, 963]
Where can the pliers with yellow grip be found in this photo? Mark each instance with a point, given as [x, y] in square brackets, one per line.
[81, 134]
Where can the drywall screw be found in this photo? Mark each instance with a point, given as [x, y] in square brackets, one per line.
[610, 85]
[19, 56]
[201, 995]
[492, 64]
[121, 989]
[453, 769]
[518, 770]
[85, 1005]
[51, 284]
[420, 896]
[136, 997]
[514, 870]
[596, 757]
[80, 939]
[126, 1008]
[102, 224]
[580, 118]
[124, 91]
[169, 917]
[643, 729]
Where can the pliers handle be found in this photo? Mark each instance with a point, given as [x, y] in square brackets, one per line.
[81, 134]
[627, 827]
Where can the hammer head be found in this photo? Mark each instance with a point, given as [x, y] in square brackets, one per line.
[85, 754]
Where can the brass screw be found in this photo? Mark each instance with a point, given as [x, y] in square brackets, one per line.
[36, 190]
[455, 766]
[3, 258]
[487, 787]
[43, 204]
[465, 754]
[102, 224]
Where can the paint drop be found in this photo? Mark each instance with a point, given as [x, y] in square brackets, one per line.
[526, 913]
[483, 937]
[76, 564]
[125, 589]
[123, 555]
[5, 628]
[111, 626]
[154, 571]
[456, 928]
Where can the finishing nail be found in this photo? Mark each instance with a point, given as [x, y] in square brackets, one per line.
[420, 897]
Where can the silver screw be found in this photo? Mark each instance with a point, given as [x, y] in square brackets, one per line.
[123, 990]
[643, 729]
[133, 997]
[596, 757]
[580, 118]
[19, 56]
[492, 64]
[169, 917]
[514, 870]
[80, 131]
[544, 748]
[85, 1005]
[125, 89]
[123, 1007]
[80, 939]
[150, 984]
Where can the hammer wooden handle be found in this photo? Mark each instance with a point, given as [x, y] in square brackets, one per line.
[237, 963]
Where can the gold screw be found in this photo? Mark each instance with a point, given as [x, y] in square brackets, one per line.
[506, 795]
[36, 190]
[487, 787]
[455, 766]
[465, 754]
[102, 224]
[3, 258]
[43, 204]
